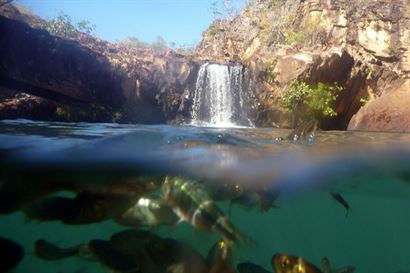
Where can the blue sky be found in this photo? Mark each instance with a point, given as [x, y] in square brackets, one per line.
[180, 21]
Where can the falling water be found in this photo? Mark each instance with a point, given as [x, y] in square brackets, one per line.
[219, 97]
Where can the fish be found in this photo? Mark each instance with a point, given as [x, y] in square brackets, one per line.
[85, 208]
[48, 251]
[49, 208]
[325, 263]
[262, 199]
[148, 212]
[11, 254]
[248, 267]
[219, 258]
[155, 254]
[106, 253]
[283, 263]
[339, 198]
[191, 203]
[16, 194]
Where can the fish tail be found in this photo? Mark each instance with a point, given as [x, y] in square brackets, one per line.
[230, 233]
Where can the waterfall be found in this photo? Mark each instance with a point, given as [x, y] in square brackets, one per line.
[220, 97]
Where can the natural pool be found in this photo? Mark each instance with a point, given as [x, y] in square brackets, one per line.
[369, 170]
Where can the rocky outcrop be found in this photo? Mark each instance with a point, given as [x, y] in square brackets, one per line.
[28, 107]
[390, 112]
[139, 85]
[363, 46]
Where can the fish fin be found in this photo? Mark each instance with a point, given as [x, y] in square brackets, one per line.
[348, 212]
[230, 208]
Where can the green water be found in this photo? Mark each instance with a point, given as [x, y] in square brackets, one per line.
[370, 170]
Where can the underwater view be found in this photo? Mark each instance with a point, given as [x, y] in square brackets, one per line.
[204, 136]
[68, 189]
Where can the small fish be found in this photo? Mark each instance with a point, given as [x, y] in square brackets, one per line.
[283, 263]
[339, 198]
[219, 257]
[250, 268]
[328, 269]
[192, 204]
[11, 254]
[48, 251]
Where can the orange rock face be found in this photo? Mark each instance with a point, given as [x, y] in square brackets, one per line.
[389, 112]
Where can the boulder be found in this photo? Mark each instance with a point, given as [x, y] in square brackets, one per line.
[389, 112]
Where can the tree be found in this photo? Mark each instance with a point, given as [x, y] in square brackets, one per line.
[62, 25]
[4, 2]
[310, 101]
[224, 9]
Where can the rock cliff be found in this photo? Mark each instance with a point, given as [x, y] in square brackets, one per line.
[114, 82]
[363, 46]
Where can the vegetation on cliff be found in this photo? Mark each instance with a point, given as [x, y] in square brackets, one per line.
[63, 25]
[362, 46]
[310, 101]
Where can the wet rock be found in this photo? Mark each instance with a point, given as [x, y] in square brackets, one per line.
[27, 106]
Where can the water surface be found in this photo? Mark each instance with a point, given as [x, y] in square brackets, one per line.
[370, 170]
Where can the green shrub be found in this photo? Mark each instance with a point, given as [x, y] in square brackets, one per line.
[270, 74]
[62, 25]
[295, 37]
[133, 42]
[86, 26]
[213, 29]
[308, 32]
[311, 101]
